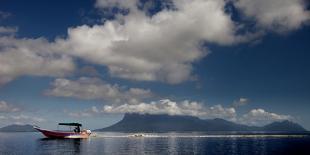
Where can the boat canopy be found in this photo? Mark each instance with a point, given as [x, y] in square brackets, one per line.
[70, 124]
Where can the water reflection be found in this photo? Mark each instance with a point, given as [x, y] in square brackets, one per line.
[59, 146]
[176, 143]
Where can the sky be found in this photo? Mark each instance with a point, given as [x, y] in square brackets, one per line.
[245, 61]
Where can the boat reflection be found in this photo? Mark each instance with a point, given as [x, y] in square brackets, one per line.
[59, 146]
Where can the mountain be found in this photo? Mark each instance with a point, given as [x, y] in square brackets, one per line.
[164, 123]
[284, 126]
[18, 128]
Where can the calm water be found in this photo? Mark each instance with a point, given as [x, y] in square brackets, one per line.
[168, 143]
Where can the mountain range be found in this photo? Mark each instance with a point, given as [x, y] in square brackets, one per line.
[166, 123]
[133, 122]
[18, 128]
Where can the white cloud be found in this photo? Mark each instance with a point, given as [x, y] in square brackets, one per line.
[2, 117]
[94, 88]
[35, 57]
[256, 117]
[173, 108]
[262, 117]
[86, 113]
[26, 119]
[135, 46]
[129, 4]
[12, 114]
[21, 119]
[6, 107]
[218, 111]
[80, 114]
[277, 15]
[7, 30]
[158, 48]
[240, 102]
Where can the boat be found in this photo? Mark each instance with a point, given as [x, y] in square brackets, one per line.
[76, 133]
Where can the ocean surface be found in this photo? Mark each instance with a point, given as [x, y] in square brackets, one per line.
[155, 143]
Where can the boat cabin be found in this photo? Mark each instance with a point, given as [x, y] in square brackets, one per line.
[77, 126]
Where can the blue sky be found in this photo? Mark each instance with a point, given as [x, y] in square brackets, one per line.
[93, 61]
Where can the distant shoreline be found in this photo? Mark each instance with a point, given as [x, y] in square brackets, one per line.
[217, 133]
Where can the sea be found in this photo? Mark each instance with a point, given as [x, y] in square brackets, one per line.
[32, 143]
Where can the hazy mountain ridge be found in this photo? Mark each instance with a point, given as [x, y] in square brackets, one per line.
[18, 128]
[165, 123]
[279, 126]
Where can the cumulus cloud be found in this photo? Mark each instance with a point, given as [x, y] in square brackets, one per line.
[31, 57]
[253, 117]
[94, 88]
[164, 46]
[173, 108]
[136, 46]
[158, 48]
[277, 15]
[6, 107]
[165, 106]
[262, 117]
